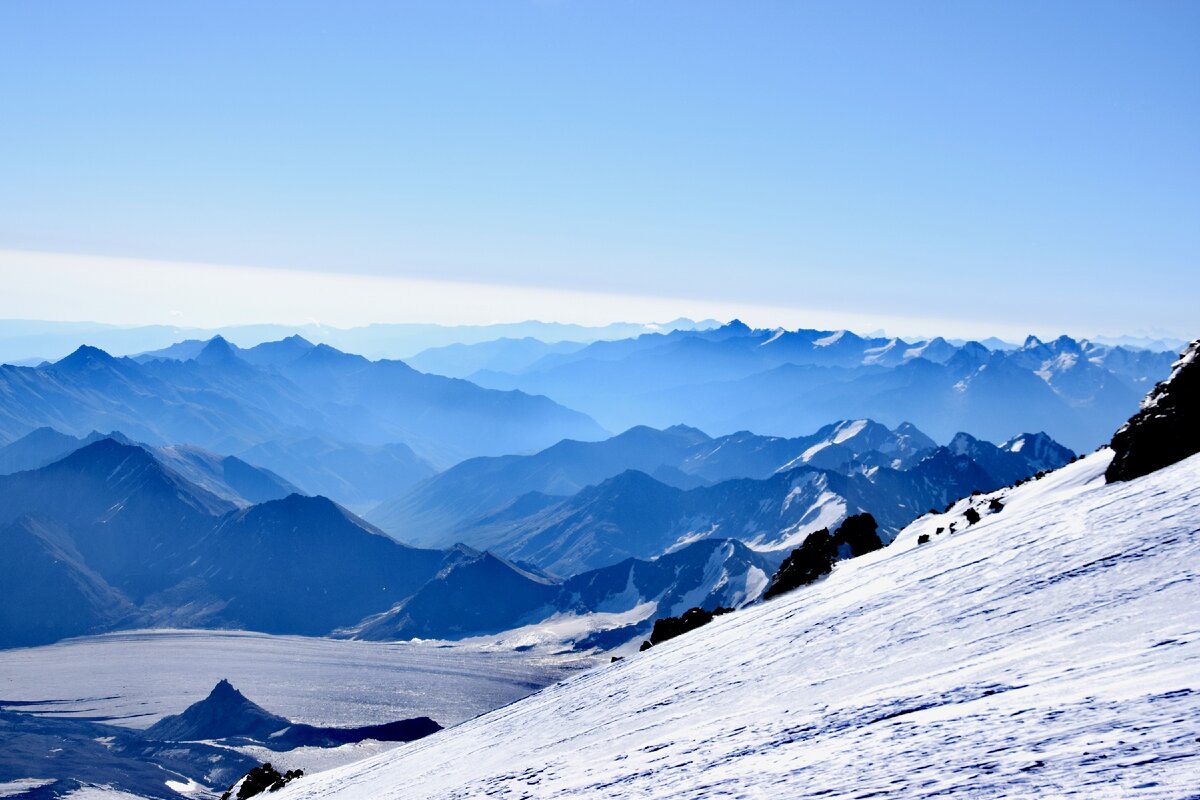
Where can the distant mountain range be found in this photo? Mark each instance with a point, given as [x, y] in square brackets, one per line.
[319, 417]
[31, 341]
[582, 505]
[786, 382]
[362, 432]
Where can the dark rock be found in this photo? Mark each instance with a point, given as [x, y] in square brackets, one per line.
[669, 627]
[811, 560]
[261, 779]
[923, 538]
[972, 516]
[995, 505]
[1166, 429]
[860, 533]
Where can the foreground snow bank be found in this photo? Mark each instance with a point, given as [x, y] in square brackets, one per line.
[1052, 649]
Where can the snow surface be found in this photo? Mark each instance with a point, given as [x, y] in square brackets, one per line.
[1051, 650]
[19, 787]
[100, 793]
[136, 678]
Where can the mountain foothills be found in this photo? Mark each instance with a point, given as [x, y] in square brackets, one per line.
[787, 382]
[1038, 640]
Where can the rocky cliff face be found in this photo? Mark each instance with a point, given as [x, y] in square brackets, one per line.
[1166, 429]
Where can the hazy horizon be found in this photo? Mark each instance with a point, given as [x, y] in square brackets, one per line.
[925, 169]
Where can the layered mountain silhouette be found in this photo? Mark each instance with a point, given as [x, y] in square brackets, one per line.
[111, 536]
[228, 477]
[785, 382]
[116, 535]
[633, 515]
[229, 400]
[433, 511]
[646, 490]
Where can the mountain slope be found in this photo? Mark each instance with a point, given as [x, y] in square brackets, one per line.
[1050, 650]
[304, 565]
[432, 512]
[130, 517]
[435, 512]
[358, 476]
[37, 449]
[486, 594]
[228, 477]
[218, 399]
[480, 595]
[635, 516]
[49, 592]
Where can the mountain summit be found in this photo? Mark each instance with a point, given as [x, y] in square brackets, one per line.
[224, 713]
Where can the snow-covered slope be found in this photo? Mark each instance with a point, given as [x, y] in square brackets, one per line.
[1050, 650]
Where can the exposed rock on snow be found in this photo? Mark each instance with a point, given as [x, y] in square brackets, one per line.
[1167, 428]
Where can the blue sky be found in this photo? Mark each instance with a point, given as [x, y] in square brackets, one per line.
[1018, 166]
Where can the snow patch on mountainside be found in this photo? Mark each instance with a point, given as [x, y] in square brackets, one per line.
[1052, 649]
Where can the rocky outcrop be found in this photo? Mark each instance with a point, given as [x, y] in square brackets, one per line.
[669, 627]
[1166, 429]
[816, 555]
[261, 779]
[811, 560]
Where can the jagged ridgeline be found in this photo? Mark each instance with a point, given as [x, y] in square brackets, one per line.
[120, 535]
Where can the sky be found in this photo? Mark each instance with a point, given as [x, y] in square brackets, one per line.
[925, 167]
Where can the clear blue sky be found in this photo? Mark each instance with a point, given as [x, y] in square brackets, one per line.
[1025, 164]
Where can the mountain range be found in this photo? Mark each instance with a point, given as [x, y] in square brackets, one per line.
[315, 415]
[119, 535]
[785, 382]
[362, 432]
[582, 505]
[112, 537]
[129, 541]
[32, 341]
